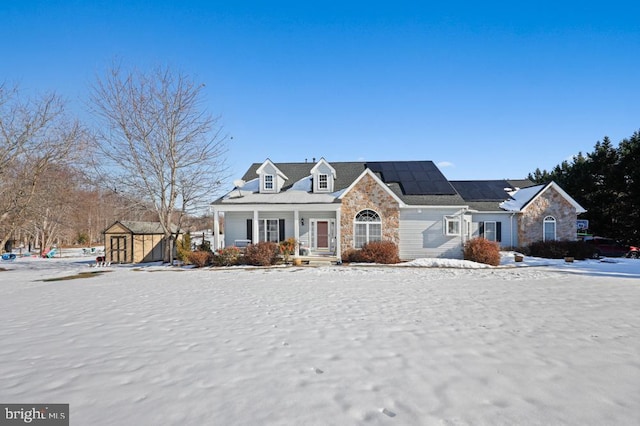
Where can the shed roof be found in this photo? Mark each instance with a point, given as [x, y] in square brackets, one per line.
[139, 227]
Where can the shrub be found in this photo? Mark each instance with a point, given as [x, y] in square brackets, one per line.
[200, 258]
[482, 251]
[183, 248]
[579, 250]
[262, 254]
[384, 252]
[287, 247]
[227, 256]
[351, 256]
[205, 246]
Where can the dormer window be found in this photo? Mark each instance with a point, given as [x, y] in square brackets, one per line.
[271, 178]
[323, 182]
[268, 182]
[323, 176]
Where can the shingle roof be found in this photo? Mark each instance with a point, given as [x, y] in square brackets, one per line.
[414, 182]
[346, 172]
[144, 227]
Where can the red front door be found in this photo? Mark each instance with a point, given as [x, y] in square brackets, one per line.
[323, 235]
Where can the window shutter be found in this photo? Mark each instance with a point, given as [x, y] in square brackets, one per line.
[481, 229]
[250, 229]
[499, 232]
[281, 229]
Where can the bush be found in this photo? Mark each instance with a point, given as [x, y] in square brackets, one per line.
[262, 254]
[287, 247]
[228, 256]
[200, 258]
[205, 246]
[579, 250]
[482, 251]
[384, 252]
[351, 256]
[183, 248]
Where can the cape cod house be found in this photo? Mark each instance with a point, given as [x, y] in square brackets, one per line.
[331, 207]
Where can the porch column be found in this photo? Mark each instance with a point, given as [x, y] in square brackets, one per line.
[338, 238]
[296, 232]
[255, 238]
[216, 230]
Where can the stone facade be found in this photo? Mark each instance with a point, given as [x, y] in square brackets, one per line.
[549, 203]
[367, 194]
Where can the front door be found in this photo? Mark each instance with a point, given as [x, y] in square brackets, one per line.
[322, 242]
[322, 234]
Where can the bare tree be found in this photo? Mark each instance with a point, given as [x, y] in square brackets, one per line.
[158, 142]
[35, 134]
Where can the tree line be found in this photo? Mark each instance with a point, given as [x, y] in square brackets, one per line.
[152, 152]
[606, 182]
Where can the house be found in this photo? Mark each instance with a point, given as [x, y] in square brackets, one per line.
[331, 207]
[134, 242]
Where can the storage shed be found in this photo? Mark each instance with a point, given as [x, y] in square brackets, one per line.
[134, 242]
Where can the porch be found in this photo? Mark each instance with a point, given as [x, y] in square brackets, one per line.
[316, 228]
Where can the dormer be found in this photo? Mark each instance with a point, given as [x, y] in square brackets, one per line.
[323, 176]
[271, 178]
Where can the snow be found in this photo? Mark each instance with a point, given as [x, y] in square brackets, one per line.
[430, 342]
[519, 198]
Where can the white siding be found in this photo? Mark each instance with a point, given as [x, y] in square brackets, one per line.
[422, 235]
[235, 223]
[235, 227]
[508, 227]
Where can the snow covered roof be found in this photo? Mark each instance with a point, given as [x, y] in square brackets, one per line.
[521, 198]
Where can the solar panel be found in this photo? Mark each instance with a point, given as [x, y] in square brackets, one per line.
[415, 177]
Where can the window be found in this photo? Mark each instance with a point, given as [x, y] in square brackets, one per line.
[323, 181]
[451, 225]
[367, 228]
[269, 230]
[549, 228]
[490, 230]
[268, 182]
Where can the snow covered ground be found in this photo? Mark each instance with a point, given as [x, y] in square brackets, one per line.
[427, 343]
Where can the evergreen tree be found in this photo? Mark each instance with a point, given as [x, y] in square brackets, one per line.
[606, 183]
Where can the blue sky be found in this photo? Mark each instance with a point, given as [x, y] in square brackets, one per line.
[487, 90]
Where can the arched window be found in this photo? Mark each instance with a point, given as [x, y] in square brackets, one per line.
[549, 228]
[367, 228]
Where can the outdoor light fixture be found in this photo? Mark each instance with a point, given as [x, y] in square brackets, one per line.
[302, 221]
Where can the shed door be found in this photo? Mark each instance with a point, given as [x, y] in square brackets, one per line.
[119, 249]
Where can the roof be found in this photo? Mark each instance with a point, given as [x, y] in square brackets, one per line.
[417, 183]
[137, 227]
[521, 198]
[486, 195]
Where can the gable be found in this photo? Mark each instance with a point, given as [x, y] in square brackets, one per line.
[523, 198]
[117, 228]
[323, 175]
[369, 174]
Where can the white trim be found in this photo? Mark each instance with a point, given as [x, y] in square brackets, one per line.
[378, 181]
[367, 236]
[313, 234]
[555, 227]
[574, 203]
[265, 188]
[495, 230]
[284, 207]
[269, 162]
[447, 219]
[323, 161]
